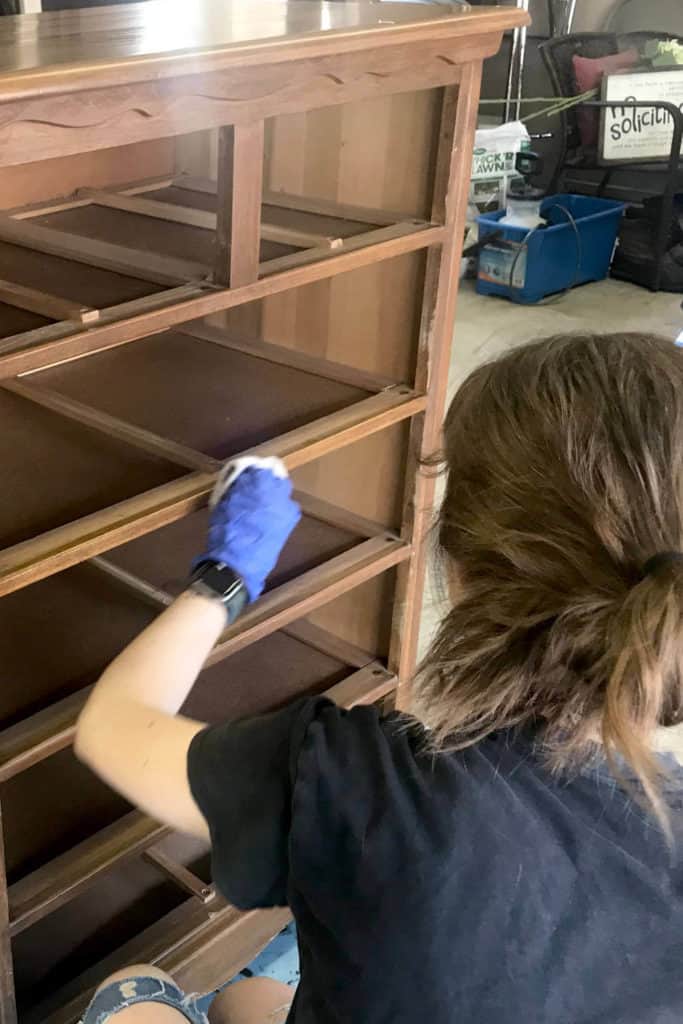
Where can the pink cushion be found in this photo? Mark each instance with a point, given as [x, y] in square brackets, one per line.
[588, 74]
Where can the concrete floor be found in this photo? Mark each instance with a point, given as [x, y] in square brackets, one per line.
[487, 326]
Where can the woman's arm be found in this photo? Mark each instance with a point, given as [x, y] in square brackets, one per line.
[129, 733]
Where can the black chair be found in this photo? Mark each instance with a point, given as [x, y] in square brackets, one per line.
[667, 177]
[558, 57]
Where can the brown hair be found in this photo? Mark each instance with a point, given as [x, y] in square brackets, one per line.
[564, 465]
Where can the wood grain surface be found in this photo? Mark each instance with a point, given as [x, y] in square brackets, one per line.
[58, 51]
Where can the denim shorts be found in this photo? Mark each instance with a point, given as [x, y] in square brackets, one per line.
[129, 991]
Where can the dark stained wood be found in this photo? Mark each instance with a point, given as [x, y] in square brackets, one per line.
[226, 169]
[80, 281]
[63, 546]
[163, 558]
[123, 902]
[107, 255]
[46, 305]
[187, 214]
[288, 357]
[76, 643]
[65, 877]
[313, 265]
[50, 808]
[109, 425]
[47, 889]
[39, 337]
[200, 944]
[310, 590]
[245, 219]
[328, 643]
[57, 471]
[37, 737]
[117, 452]
[312, 221]
[66, 611]
[458, 125]
[216, 398]
[8, 1010]
[179, 874]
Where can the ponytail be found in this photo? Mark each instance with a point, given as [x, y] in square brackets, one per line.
[645, 655]
[564, 463]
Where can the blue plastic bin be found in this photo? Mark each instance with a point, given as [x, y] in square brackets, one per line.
[553, 258]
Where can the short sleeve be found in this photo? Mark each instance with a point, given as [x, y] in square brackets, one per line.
[242, 775]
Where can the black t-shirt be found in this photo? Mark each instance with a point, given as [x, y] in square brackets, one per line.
[466, 888]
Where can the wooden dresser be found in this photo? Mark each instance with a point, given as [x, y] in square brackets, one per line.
[240, 231]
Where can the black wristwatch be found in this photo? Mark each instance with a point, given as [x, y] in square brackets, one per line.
[219, 582]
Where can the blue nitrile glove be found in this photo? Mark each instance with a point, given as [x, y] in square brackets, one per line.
[252, 516]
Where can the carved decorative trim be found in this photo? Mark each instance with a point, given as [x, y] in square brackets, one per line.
[59, 125]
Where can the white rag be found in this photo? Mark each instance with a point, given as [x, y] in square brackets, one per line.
[233, 467]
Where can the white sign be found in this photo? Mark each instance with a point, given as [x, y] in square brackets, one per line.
[639, 135]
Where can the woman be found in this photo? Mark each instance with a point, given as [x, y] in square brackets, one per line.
[515, 857]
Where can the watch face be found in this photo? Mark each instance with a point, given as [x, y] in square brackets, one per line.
[219, 580]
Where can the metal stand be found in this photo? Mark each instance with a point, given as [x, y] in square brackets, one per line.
[560, 20]
[561, 16]
[515, 80]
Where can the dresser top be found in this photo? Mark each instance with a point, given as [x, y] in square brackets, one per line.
[65, 50]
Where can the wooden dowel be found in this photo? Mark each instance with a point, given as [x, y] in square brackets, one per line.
[305, 204]
[322, 640]
[44, 304]
[40, 735]
[366, 686]
[312, 265]
[154, 595]
[149, 266]
[284, 356]
[66, 876]
[328, 512]
[96, 533]
[352, 245]
[64, 546]
[179, 874]
[138, 437]
[44, 733]
[339, 211]
[44, 208]
[109, 314]
[206, 219]
[312, 589]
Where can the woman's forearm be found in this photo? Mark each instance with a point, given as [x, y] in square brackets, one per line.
[129, 732]
[160, 666]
